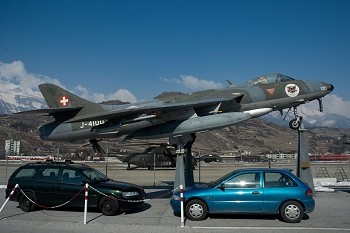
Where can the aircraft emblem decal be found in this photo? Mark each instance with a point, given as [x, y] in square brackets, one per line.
[64, 101]
[271, 91]
[292, 90]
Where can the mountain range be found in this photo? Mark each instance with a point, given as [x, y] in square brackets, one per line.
[15, 98]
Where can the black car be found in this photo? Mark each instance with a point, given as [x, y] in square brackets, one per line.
[54, 184]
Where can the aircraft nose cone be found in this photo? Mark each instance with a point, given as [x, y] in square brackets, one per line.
[327, 87]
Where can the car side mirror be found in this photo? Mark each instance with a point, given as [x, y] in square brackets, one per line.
[222, 186]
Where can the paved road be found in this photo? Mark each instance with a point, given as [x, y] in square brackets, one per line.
[332, 214]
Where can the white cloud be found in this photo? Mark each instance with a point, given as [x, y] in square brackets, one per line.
[121, 94]
[165, 79]
[16, 73]
[193, 83]
[331, 104]
[335, 104]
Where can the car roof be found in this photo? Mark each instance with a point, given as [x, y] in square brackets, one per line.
[265, 169]
[56, 164]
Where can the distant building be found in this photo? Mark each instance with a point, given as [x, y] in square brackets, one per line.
[282, 156]
[12, 147]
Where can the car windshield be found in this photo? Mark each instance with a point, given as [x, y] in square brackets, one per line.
[95, 175]
[221, 179]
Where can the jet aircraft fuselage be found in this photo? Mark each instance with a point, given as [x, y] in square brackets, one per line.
[76, 118]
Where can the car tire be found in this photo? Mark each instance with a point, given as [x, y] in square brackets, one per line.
[196, 210]
[109, 205]
[291, 212]
[25, 204]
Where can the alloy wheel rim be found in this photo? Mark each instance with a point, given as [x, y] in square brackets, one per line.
[292, 211]
[196, 210]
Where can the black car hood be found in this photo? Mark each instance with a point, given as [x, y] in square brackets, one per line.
[122, 186]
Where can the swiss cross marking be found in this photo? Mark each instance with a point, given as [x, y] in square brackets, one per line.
[64, 101]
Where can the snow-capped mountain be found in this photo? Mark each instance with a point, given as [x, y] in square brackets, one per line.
[13, 99]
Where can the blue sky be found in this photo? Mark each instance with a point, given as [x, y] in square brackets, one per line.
[137, 49]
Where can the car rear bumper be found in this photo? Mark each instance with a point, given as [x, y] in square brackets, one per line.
[309, 205]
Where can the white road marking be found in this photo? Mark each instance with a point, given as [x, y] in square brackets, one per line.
[277, 228]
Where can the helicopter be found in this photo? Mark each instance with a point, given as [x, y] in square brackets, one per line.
[152, 157]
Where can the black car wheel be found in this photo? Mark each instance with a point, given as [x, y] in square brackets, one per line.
[196, 210]
[291, 212]
[25, 204]
[109, 206]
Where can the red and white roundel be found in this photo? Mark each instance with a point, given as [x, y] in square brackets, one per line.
[292, 90]
[64, 101]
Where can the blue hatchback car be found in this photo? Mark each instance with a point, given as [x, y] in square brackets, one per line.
[256, 191]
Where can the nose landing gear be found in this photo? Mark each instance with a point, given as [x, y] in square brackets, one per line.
[295, 123]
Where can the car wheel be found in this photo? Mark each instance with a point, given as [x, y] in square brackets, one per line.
[291, 212]
[196, 210]
[25, 204]
[109, 205]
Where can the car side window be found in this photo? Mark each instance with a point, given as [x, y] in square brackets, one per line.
[25, 173]
[246, 180]
[277, 179]
[50, 174]
[72, 176]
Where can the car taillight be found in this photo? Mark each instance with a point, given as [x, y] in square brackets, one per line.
[308, 192]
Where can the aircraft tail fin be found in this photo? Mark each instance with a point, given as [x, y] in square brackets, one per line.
[57, 97]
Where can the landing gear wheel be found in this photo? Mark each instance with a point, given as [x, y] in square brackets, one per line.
[291, 212]
[25, 204]
[294, 124]
[109, 206]
[196, 210]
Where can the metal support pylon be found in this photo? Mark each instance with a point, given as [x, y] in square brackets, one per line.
[304, 166]
[179, 173]
[184, 166]
[189, 178]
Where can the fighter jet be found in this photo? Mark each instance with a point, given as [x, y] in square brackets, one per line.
[76, 118]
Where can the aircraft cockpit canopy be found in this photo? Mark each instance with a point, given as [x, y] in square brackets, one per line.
[267, 79]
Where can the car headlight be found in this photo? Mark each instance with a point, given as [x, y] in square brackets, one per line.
[176, 198]
[130, 194]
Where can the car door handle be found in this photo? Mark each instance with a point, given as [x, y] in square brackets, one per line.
[255, 192]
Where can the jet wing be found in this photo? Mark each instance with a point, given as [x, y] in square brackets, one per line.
[163, 108]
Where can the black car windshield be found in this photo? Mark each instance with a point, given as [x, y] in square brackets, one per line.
[221, 179]
[94, 175]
